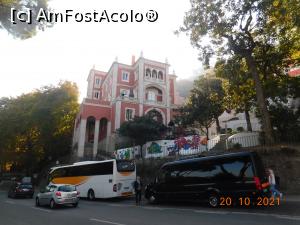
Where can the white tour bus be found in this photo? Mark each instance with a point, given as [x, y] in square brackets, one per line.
[97, 179]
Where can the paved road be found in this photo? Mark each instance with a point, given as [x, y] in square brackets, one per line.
[124, 212]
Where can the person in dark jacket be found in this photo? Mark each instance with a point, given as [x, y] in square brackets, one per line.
[138, 190]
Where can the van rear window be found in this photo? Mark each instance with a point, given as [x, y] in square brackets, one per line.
[237, 168]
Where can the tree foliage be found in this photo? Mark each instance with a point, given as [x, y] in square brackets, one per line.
[204, 105]
[256, 30]
[142, 129]
[22, 30]
[238, 85]
[38, 126]
[286, 122]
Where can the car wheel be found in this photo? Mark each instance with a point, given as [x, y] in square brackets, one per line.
[75, 205]
[37, 202]
[213, 200]
[152, 199]
[52, 204]
[91, 195]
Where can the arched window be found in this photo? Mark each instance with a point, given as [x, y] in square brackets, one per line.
[90, 128]
[154, 74]
[160, 75]
[148, 72]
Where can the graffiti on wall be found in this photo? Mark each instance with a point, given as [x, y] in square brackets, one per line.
[154, 148]
[193, 144]
[128, 153]
[187, 143]
[182, 146]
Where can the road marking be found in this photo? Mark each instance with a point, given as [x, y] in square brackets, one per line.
[120, 205]
[43, 210]
[288, 217]
[269, 214]
[152, 208]
[249, 213]
[10, 202]
[208, 211]
[105, 221]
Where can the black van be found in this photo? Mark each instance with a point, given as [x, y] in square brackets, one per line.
[210, 178]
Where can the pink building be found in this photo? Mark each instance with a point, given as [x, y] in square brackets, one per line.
[115, 96]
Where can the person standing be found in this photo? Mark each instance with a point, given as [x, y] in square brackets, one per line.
[272, 181]
[138, 190]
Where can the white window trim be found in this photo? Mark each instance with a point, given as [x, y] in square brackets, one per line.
[127, 76]
[133, 113]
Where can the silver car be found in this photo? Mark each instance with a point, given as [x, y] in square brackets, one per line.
[58, 194]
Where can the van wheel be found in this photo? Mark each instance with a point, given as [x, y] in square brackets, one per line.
[213, 200]
[91, 195]
[52, 204]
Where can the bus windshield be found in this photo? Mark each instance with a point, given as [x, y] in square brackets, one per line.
[125, 166]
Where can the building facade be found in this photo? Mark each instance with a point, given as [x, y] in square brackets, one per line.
[118, 95]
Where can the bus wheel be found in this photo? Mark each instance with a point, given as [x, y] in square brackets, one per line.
[91, 195]
[213, 200]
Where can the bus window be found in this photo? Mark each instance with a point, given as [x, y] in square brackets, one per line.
[61, 172]
[125, 166]
[101, 168]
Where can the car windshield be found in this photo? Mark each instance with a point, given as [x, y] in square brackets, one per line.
[67, 188]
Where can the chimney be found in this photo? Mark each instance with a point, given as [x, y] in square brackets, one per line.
[132, 59]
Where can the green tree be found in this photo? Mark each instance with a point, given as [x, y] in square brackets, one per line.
[22, 30]
[142, 129]
[286, 122]
[246, 28]
[204, 105]
[38, 126]
[238, 86]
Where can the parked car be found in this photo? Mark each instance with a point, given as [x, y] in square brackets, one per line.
[58, 194]
[18, 189]
[209, 178]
